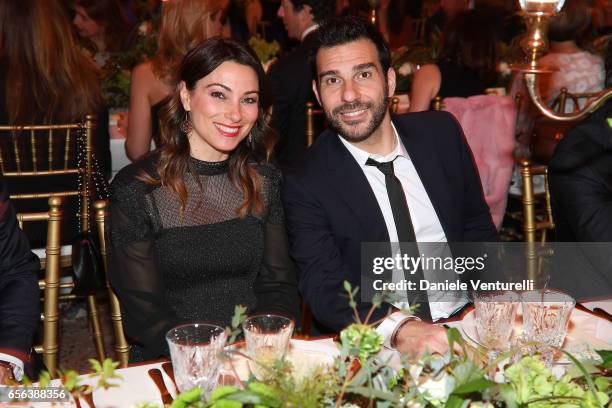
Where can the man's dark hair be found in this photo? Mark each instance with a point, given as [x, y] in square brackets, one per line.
[343, 30]
[320, 9]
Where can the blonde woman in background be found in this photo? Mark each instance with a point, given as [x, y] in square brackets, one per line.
[184, 24]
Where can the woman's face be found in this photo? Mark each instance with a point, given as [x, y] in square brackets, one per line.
[86, 27]
[223, 107]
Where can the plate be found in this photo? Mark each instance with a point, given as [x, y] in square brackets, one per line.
[304, 355]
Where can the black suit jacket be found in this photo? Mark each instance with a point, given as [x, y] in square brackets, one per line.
[291, 86]
[331, 208]
[19, 294]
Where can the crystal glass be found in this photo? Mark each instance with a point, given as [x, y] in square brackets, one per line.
[195, 349]
[546, 315]
[494, 314]
[267, 338]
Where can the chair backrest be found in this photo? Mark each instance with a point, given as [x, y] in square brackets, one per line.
[51, 282]
[532, 223]
[567, 102]
[122, 348]
[488, 122]
[40, 151]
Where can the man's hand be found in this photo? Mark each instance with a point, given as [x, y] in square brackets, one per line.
[415, 338]
[6, 375]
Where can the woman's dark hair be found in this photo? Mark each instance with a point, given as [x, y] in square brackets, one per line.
[174, 162]
[571, 22]
[108, 13]
[343, 30]
[471, 40]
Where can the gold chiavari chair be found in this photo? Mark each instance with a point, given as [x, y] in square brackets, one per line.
[122, 348]
[533, 222]
[51, 282]
[437, 103]
[39, 151]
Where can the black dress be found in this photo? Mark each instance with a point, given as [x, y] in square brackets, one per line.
[170, 266]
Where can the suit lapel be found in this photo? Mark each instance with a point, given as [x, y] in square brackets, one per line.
[431, 172]
[354, 189]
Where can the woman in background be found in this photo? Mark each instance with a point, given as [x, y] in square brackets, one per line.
[46, 79]
[184, 24]
[467, 65]
[197, 226]
[102, 24]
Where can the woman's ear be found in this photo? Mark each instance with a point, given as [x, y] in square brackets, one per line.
[185, 96]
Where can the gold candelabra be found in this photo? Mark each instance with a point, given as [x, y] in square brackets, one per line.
[373, 7]
[537, 15]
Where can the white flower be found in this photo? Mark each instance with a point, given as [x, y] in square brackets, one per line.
[438, 390]
[405, 69]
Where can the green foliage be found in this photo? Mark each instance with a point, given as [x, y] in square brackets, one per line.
[265, 50]
[362, 340]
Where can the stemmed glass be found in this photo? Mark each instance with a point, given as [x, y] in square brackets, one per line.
[267, 339]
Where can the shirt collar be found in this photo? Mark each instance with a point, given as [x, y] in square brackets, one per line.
[309, 30]
[362, 156]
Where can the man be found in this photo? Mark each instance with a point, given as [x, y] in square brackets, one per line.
[19, 295]
[290, 77]
[338, 198]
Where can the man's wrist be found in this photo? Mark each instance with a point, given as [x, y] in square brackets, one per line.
[6, 371]
[393, 339]
[390, 327]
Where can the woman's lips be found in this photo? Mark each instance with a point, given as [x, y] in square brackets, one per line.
[228, 131]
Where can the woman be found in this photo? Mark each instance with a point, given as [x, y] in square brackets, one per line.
[467, 64]
[184, 24]
[198, 226]
[46, 79]
[101, 23]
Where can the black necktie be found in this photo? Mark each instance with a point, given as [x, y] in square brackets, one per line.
[405, 230]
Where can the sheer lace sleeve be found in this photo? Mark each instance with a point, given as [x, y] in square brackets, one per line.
[276, 285]
[133, 269]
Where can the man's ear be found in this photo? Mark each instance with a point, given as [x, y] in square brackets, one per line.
[307, 15]
[315, 89]
[391, 81]
[185, 96]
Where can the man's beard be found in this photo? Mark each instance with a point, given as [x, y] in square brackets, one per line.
[348, 132]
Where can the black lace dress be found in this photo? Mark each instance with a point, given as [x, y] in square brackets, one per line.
[170, 267]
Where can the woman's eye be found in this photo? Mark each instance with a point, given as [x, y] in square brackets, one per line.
[250, 100]
[217, 94]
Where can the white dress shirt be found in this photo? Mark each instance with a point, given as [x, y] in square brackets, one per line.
[427, 227]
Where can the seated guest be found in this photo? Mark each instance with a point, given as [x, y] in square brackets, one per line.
[466, 66]
[290, 77]
[102, 25]
[197, 226]
[19, 294]
[374, 178]
[184, 24]
[45, 78]
[580, 177]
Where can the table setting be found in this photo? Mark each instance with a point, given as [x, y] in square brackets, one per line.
[492, 362]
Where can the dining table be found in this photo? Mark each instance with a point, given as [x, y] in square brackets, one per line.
[590, 328]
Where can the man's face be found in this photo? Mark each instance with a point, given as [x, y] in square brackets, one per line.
[353, 89]
[293, 20]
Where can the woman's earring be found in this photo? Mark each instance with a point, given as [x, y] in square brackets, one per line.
[250, 139]
[186, 126]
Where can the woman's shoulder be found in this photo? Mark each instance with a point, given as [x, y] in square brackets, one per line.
[268, 171]
[132, 178]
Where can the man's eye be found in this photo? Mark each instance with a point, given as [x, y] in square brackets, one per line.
[332, 81]
[217, 94]
[365, 74]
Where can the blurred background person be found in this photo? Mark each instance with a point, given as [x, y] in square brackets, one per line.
[102, 25]
[447, 10]
[184, 23]
[243, 17]
[467, 64]
[197, 227]
[576, 69]
[291, 77]
[396, 21]
[45, 78]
